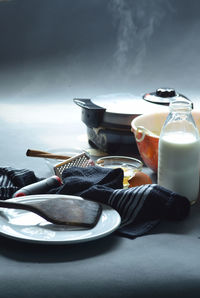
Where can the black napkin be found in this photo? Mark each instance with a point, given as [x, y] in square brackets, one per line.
[141, 208]
[12, 179]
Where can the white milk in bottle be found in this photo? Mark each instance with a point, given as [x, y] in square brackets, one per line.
[179, 152]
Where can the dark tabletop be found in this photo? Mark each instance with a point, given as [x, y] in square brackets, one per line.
[164, 263]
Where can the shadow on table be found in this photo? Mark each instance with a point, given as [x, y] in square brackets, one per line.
[31, 252]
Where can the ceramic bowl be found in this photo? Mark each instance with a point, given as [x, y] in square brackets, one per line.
[146, 129]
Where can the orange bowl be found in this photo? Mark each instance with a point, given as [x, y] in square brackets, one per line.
[146, 129]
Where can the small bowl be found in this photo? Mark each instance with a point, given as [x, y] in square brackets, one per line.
[146, 129]
[129, 165]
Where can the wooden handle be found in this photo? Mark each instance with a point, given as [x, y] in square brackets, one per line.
[38, 153]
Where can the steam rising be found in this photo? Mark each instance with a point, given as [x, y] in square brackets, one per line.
[135, 21]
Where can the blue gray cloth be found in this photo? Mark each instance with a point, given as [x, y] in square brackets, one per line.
[12, 179]
[141, 208]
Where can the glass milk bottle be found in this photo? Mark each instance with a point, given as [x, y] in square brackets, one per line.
[179, 152]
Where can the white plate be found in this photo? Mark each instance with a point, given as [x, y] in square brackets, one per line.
[27, 226]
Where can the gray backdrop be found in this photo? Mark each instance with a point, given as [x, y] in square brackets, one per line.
[69, 48]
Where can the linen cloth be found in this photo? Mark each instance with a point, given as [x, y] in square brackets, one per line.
[141, 208]
[12, 179]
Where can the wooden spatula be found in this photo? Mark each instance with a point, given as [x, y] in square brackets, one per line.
[73, 212]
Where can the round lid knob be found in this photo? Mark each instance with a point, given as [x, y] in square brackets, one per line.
[165, 92]
[163, 96]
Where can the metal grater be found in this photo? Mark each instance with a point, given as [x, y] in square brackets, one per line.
[80, 160]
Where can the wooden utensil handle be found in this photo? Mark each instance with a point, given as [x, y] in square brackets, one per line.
[38, 153]
[13, 205]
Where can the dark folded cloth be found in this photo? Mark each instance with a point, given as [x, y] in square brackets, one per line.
[141, 208]
[12, 180]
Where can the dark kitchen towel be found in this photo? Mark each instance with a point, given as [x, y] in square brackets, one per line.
[140, 208]
[13, 179]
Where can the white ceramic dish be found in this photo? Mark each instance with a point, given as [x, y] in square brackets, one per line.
[29, 227]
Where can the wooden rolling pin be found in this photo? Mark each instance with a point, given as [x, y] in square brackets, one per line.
[38, 153]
